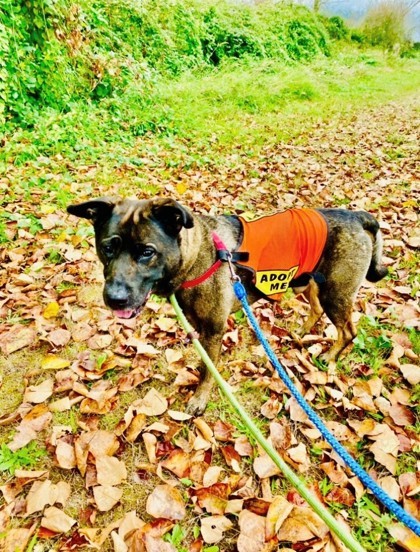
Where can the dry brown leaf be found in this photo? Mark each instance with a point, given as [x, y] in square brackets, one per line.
[99, 341]
[404, 537]
[338, 495]
[178, 462]
[43, 493]
[204, 429]
[166, 502]
[401, 415]
[17, 338]
[213, 528]
[106, 497]
[212, 475]
[278, 511]
[335, 473]
[98, 443]
[110, 470]
[179, 416]
[385, 448]
[56, 520]
[150, 444]
[136, 426]
[213, 499]
[156, 544]
[152, 404]
[391, 487]
[301, 525]
[243, 447]
[252, 532]
[129, 523]
[59, 337]
[39, 393]
[16, 539]
[299, 455]
[265, 467]
[65, 455]
[142, 347]
[271, 408]
[34, 421]
[296, 412]
[411, 373]
[223, 431]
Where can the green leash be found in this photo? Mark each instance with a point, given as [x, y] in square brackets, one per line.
[335, 526]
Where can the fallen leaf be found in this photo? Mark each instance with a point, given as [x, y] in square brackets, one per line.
[178, 462]
[43, 493]
[110, 470]
[404, 537]
[65, 455]
[301, 525]
[411, 373]
[17, 338]
[53, 362]
[56, 520]
[39, 393]
[16, 539]
[51, 310]
[265, 467]
[252, 532]
[59, 337]
[278, 511]
[106, 497]
[166, 502]
[401, 415]
[213, 528]
[152, 404]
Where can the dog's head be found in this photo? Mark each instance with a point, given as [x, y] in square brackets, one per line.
[138, 244]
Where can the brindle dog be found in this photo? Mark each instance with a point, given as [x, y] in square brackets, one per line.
[155, 245]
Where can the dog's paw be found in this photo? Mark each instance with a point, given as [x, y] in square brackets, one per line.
[331, 365]
[197, 405]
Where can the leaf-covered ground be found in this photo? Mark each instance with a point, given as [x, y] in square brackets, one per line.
[96, 449]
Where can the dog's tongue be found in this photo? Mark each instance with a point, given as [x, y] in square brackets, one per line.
[128, 313]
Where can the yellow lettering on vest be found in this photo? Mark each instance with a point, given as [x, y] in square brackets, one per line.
[270, 282]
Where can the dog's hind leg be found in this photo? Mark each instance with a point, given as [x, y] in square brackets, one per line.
[312, 295]
[340, 315]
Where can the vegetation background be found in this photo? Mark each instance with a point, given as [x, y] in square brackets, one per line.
[230, 107]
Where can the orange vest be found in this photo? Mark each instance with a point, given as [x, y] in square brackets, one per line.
[282, 247]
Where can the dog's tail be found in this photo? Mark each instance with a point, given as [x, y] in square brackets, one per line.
[376, 270]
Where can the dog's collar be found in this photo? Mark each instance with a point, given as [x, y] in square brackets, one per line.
[222, 254]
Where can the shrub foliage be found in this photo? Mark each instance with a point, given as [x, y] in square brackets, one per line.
[56, 52]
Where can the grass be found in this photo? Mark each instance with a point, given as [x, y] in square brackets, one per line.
[194, 118]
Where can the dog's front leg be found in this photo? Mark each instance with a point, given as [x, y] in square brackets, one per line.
[211, 340]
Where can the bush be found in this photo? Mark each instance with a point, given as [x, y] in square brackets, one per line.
[336, 27]
[384, 25]
[54, 53]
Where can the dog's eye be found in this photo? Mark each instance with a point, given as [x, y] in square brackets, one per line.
[145, 251]
[107, 249]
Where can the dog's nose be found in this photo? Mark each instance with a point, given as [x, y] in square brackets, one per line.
[116, 296]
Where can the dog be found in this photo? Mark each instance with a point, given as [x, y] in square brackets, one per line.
[159, 246]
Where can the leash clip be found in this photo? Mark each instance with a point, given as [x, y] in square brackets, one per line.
[233, 276]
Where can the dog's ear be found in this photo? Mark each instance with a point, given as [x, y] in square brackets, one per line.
[171, 215]
[94, 210]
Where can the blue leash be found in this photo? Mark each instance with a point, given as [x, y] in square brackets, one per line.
[380, 494]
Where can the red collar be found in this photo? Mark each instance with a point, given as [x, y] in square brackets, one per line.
[220, 246]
